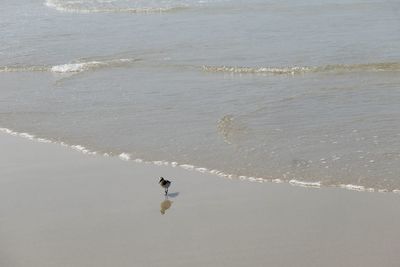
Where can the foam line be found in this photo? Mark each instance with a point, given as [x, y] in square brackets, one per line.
[127, 157]
[77, 6]
[295, 70]
[305, 184]
[75, 67]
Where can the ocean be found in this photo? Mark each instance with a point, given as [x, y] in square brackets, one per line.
[305, 92]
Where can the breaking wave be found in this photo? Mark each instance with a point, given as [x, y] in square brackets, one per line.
[87, 65]
[70, 67]
[114, 6]
[263, 70]
[338, 68]
[90, 65]
[23, 68]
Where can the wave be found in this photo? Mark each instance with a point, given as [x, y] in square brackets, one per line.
[90, 65]
[23, 68]
[255, 70]
[87, 65]
[127, 157]
[71, 67]
[112, 6]
[338, 68]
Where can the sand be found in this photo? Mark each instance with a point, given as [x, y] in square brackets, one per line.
[60, 207]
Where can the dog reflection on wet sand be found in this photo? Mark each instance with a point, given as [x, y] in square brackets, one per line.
[166, 204]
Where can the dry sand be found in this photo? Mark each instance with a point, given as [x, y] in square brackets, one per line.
[59, 207]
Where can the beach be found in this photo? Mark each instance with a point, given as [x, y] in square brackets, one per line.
[60, 207]
[277, 122]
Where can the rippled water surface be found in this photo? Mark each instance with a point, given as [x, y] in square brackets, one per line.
[290, 90]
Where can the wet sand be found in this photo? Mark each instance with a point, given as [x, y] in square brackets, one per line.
[60, 207]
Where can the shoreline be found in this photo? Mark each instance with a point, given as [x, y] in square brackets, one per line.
[127, 157]
[63, 208]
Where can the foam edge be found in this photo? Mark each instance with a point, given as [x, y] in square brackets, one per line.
[127, 157]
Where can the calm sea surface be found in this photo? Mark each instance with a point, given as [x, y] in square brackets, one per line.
[291, 90]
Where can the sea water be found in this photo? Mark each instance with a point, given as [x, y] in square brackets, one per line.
[301, 91]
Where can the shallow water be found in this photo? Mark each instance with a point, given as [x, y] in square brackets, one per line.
[278, 90]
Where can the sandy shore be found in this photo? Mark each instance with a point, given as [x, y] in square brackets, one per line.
[60, 207]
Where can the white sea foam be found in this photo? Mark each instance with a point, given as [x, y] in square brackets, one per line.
[82, 149]
[203, 170]
[257, 70]
[89, 65]
[161, 163]
[127, 157]
[27, 136]
[305, 184]
[24, 68]
[100, 6]
[43, 140]
[81, 66]
[74, 67]
[359, 188]
[252, 179]
[292, 70]
[187, 166]
[5, 130]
